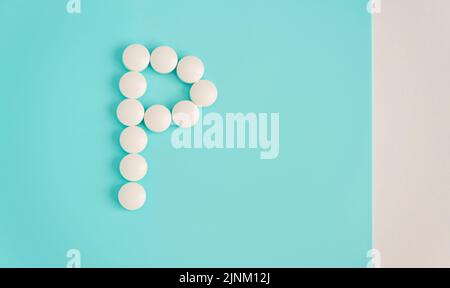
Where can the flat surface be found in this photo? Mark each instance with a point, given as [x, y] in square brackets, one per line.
[411, 133]
[310, 61]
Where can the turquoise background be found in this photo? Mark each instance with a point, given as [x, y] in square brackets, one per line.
[309, 60]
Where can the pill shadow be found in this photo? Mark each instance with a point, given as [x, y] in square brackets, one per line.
[115, 163]
[114, 192]
[116, 98]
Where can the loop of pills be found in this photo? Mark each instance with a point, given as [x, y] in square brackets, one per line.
[157, 118]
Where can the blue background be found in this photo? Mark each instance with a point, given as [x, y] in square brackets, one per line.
[308, 60]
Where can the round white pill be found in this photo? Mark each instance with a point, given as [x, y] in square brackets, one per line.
[133, 167]
[130, 112]
[157, 118]
[190, 69]
[164, 59]
[133, 85]
[133, 139]
[132, 196]
[203, 93]
[185, 114]
[136, 57]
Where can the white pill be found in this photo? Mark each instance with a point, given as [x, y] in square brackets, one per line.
[130, 112]
[203, 93]
[133, 139]
[133, 85]
[136, 57]
[133, 167]
[185, 114]
[132, 196]
[157, 118]
[190, 69]
[164, 59]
